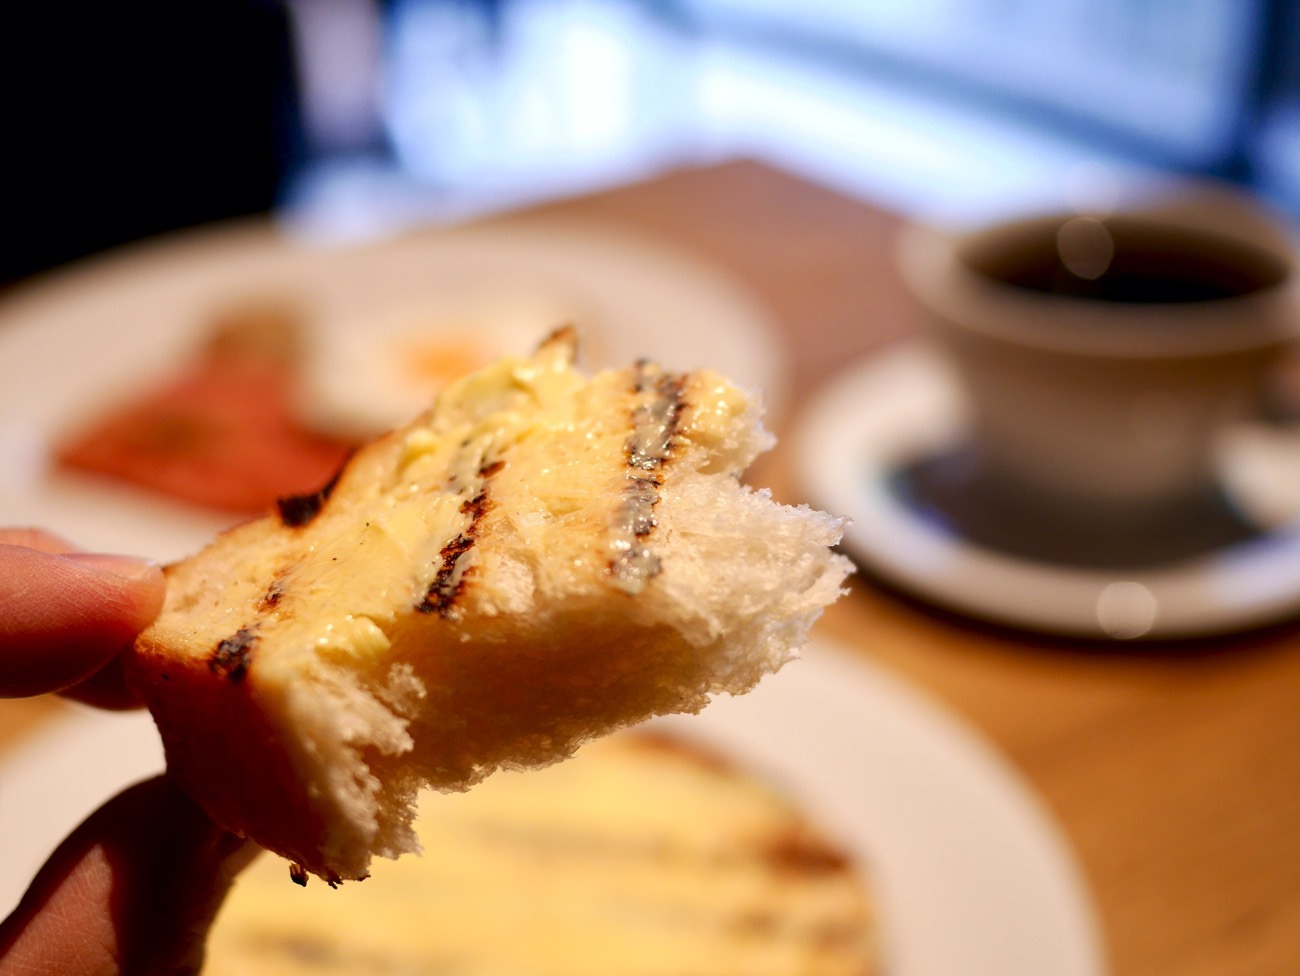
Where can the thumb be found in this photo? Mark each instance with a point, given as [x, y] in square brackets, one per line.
[64, 615]
[133, 890]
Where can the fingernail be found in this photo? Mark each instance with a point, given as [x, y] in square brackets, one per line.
[127, 567]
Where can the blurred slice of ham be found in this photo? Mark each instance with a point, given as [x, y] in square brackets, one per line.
[223, 433]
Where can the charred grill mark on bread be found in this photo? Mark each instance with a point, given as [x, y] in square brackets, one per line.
[232, 656]
[446, 586]
[273, 595]
[656, 421]
[449, 582]
[299, 510]
[640, 495]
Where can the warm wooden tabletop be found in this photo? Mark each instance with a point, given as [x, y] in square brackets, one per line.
[1174, 771]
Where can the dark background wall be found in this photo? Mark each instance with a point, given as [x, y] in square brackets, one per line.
[123, 120]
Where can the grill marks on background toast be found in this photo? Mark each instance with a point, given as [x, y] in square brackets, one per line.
[659, 402]
[737, 876]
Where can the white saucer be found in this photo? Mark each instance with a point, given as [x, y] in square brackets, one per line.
[901, 407]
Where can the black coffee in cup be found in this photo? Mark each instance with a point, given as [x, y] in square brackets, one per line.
[1124, 259]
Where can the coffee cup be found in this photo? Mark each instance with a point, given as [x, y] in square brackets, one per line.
[1101, 352]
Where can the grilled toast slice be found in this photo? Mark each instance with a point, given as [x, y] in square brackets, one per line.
[539, 558]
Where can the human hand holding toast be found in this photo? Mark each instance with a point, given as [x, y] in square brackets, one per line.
[135, 887]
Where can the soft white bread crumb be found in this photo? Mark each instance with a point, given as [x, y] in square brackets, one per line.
[538, 559]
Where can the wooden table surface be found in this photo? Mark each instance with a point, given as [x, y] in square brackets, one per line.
[1174, 771]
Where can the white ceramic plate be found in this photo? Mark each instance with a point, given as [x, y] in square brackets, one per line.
[901, 406]
[75, 340]
[971, 875]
